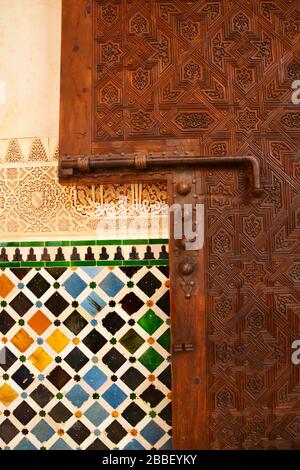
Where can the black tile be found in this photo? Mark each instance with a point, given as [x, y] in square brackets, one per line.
[133, 378]
[20, 273]
[60, 413]
[133, 414]
[115, 432]
[166, 378]
[79, 432]
[152, 395]
[56, 273]
[113, 359]
[76, 359]
[166, 414]
[6, 322]
[164, 303]
[75, 323]
[165, 270]
[97, 445]
[21, 304]
[38, 285]
[8, 431]
[58, 377]
[94, 341]
[113, 322]
[41, 395]
[23, 377]
[10, 358]
[149, 284]
[56, 304]
[131, 303]
[24, 413]
[130, 271]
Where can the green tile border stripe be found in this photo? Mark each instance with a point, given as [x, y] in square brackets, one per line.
[69, 264]
[56, 243]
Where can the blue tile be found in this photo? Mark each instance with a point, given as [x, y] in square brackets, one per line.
[25, 444]
[111, 285]
[93, 304]
[114, 396]
[95, 378]
[134, 445]
[77, 396]
[43, 431]
[152, 432]
[74, 285]
[96, 414]
[60, 445]
[92, 272]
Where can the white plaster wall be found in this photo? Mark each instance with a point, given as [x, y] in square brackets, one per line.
[30, 34]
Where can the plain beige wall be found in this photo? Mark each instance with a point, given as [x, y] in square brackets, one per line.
[30, 33]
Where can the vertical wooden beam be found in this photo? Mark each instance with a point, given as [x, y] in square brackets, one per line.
[188, 325]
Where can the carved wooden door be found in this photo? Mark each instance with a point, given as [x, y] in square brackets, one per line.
[149, 88]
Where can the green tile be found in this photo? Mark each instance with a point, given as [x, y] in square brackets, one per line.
[109, 242]
[132, 341]
[32, 264]
[158, 262]
[83, 263]
[135, 242]
[12, 264]
[165, 341]
[58, 243]
[135, 263]
[151, 359]
[31, 244]
[110, 263]
[158, 241]
[57, 264]
[83, 243]
[10, 244]
[150, 322]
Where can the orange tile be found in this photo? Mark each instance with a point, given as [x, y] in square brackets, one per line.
[22, 340]
[7, 395]
[6, 286]
[39, 322]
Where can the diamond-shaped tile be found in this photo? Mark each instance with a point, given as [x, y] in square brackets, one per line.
[151, 359]
[77, 396]
[93, 304]
[164, 303]
[152, 395]
[165, 341]
[38, 285]
[111, 285]
[39, 322]
[113, 359]
[115, 432]
[24, 413]
[8, 431]
[58, 377]
[60, 413]
[94, 341]
[132, 341]
[114, 396]
[42, 431]
[75, 323]
[56, 304]
[133, 378]
[133, 414]
[149, 284]
[6, 286]
[25, 444]
[96, 414]
[60, 444]
[166, 414]
[95, 378]
[76, 359]
[40, 359]
[74, 285]
[58, 341]
[97, 445]
[134, 445]
[23, 377]
[113, 322]
[79, 432]
[6, 322]
[56, 273]
[7, 395]
[22, 340]
[165, 377]
[152, 432]
[150, 322]
[9, 359]
[41, 395]
[131, 303]
[21, 304]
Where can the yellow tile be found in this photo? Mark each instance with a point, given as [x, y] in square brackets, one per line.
[6, 286]
[40, 359]
[7, 395]
[22, 340]
[58, 341]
